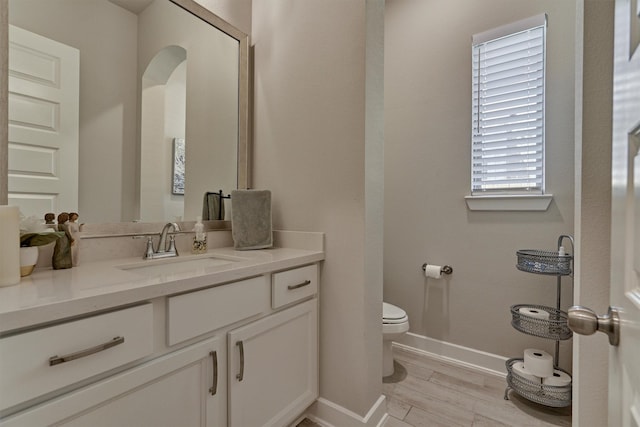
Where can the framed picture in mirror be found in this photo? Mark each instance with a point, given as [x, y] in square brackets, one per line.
[178, 166]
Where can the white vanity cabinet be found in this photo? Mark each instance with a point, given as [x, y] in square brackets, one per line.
[182, 388]
[272, 341]
[242, 353]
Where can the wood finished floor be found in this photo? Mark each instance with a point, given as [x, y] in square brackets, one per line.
[428, 392]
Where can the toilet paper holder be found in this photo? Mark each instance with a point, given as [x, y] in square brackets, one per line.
[446, 269]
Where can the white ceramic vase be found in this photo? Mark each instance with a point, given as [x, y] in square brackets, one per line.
[28, 260]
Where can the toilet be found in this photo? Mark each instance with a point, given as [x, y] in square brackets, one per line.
[395, 322]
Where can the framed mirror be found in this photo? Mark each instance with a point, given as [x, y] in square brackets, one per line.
[147, 72]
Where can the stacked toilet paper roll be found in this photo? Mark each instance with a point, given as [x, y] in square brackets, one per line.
[534, 312]
[538, 362]
[523, 372]
[537, 367]
[557, 379]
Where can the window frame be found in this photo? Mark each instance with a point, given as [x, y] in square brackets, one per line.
[505, 198]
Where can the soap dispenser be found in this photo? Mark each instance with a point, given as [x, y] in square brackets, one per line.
[200, 239]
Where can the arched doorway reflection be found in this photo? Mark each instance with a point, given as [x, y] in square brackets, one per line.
[163, 122]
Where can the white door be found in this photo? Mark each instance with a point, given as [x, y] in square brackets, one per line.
[622, 323]
[44, 84]
[624, 360]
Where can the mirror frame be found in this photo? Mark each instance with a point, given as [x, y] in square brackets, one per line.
[244, 161]
[4, 106]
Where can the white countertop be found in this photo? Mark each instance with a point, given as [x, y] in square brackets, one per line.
[49, 295]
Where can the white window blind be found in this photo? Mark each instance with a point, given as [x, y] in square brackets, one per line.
[508, 109]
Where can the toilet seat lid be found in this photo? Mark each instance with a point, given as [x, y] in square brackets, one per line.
[392, 314]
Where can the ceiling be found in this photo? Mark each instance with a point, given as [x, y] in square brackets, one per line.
[135, 6]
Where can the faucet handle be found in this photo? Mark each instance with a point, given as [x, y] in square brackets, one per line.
[172, 244]
[149, 252]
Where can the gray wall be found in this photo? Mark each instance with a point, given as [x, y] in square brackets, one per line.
[427, 161]
[316, 149]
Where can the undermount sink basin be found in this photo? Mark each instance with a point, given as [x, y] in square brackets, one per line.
[175, 265]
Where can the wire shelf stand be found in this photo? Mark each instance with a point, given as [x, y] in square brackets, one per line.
[553, 325]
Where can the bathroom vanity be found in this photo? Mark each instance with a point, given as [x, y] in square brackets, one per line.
[223, 338]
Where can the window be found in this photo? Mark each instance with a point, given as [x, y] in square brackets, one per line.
[508, 109]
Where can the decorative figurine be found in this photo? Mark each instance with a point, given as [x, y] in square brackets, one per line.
[63, 218]
[62, 251]
[74, 228]
[49, 218]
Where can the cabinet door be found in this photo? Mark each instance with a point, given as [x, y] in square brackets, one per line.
[273, 367]
[179, 389]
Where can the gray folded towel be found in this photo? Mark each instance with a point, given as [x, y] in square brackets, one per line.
[251, 219]
[212, 206]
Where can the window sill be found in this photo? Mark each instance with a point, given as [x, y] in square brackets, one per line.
[524, 202]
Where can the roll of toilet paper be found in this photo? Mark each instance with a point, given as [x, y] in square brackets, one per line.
[538, 362]
[558, 379]
[433, 271]
[523, 372]
[536, 313]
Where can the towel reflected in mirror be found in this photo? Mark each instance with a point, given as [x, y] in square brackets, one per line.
[213, 206]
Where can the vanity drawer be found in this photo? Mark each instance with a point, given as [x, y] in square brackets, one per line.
[41, 361]
[293, 285]
[199, 312]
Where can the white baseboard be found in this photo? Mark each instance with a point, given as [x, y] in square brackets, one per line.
[453, 353]
[329, 414]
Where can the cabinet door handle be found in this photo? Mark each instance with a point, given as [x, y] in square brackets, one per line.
[56, 360]
[214, 387]
[240, 375]
[299, 285]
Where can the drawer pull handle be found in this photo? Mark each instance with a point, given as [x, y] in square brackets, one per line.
[299, 285]
[240, 375]
[214, 388]
[56, 360]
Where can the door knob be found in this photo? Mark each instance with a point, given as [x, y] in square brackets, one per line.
[584, 321]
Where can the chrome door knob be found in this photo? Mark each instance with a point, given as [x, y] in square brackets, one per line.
[584, 321]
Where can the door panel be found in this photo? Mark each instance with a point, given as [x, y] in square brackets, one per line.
[43, 123]
[273, 368]
[624, 370]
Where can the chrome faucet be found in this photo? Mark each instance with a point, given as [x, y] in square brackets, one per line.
[163, 251]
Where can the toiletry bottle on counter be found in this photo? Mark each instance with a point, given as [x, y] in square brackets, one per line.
[200, 239]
